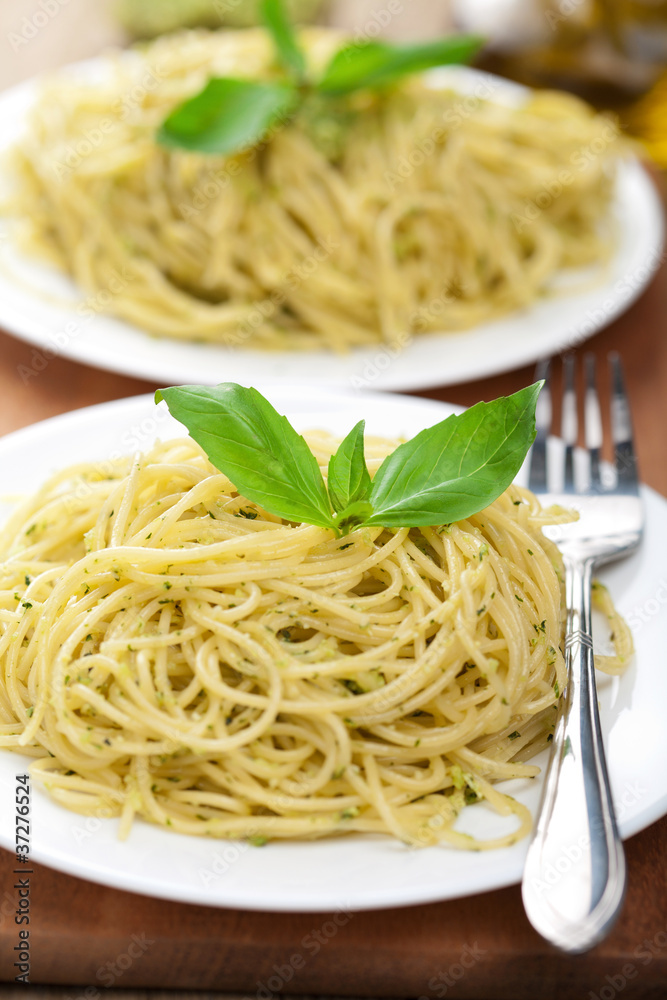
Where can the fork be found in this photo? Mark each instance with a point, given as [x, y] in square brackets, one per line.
[574, 878]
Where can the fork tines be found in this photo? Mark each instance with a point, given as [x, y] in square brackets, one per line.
[625, 462]
[625, 458]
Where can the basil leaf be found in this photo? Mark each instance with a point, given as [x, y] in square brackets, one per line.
[353, 517]
[255, 447]
[456, 468]
[349, 480]
[279, 26]
[375, 64]
[227, 116]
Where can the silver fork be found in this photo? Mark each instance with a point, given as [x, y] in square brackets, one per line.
[574, 879]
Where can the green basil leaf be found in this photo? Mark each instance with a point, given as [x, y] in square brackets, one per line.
[456, 468]
[255, 447]
[348, 478]
[375, 64]
[353, 517]
[280, 27]
[227, 116]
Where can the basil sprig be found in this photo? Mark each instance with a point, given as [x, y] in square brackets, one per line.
[446, 473]
[230, 115]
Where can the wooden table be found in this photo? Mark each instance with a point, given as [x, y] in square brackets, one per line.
[83, 935]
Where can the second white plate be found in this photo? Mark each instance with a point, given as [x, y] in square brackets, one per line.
[552, 324]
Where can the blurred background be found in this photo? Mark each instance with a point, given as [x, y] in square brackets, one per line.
[51, 32]
[612, 52]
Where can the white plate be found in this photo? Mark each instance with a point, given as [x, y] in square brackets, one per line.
[548, 326]
[354, 872]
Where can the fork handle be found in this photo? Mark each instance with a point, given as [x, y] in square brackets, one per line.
[574, 879]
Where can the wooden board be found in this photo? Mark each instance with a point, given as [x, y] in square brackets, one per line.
[482, 946]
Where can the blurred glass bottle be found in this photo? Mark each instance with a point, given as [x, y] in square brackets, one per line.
[609, 51]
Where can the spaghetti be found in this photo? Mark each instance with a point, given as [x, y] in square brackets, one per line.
[369, 219]
[169, 650]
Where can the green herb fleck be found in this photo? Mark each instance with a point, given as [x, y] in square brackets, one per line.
[248, 513]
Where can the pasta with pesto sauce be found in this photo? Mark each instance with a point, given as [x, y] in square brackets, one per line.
[373, 219]
[170, 651]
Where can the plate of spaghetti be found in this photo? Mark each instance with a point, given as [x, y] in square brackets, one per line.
[454, 227]
[219, 706]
